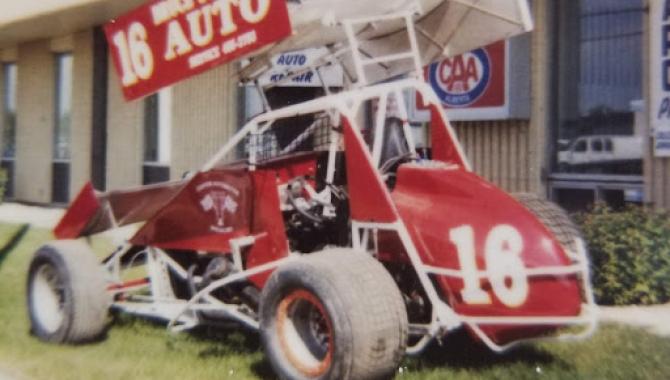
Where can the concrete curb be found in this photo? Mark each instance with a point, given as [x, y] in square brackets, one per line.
[655, 319]
[42, 217]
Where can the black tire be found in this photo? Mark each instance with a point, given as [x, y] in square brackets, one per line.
[67, 299]
[335, 314]
[553, 217]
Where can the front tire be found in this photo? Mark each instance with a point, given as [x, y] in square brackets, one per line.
[67, 300]
[555, 218]
[335, 314]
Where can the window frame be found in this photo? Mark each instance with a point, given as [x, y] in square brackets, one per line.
[160, 116]
[63, 106]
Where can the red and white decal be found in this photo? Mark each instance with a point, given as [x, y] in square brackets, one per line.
[505, 270]
[220, 199]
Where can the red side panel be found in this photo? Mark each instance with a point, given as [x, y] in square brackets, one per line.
[443, 145]
[211, 209]
[368, 197]
[139, 204]
[262, 252]
[435, 202]
[78, 216]
[266, 219]
[93, 212]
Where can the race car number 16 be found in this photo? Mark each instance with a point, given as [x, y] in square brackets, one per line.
[502, 254]
[137, 61]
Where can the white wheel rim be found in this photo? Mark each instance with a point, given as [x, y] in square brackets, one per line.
[47, 298]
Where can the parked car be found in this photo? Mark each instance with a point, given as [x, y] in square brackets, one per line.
[601, 152]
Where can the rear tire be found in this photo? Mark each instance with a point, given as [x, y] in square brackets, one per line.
[553, 217]
[67, 299]
[335, 314]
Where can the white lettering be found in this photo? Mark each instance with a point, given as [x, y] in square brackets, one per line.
[504, 268]
[224, 9]
[201, 37]
[168, 9]
[254, 16]
[203, 57]
[177, 43]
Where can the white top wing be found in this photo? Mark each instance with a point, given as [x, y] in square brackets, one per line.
[443, 28]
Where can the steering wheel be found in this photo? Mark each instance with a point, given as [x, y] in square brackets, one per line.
[307, 212]
[394, 162]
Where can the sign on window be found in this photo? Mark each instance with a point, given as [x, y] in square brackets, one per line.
[298, 64]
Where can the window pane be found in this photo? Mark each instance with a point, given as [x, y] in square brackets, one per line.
[600, 77]
[63, 106]
[9, 111]
[608, 145]
[164, 126]
[597, 145]
[151, 128]
[157, 127]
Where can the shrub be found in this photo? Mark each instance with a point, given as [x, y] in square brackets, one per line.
[630, 254]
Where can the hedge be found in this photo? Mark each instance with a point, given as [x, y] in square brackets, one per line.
[630, 254]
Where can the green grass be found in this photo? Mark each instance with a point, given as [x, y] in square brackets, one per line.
[138, 349]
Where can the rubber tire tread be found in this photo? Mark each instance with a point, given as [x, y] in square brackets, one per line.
[555, 218]
[365, 307]
[86, 299]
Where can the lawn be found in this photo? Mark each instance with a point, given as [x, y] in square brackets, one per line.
[137, 349]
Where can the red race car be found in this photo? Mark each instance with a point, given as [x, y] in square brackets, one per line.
[341, 232]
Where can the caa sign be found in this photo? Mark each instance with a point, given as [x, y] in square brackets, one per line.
[472, 80]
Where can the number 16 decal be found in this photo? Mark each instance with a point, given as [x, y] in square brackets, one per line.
[135, 56]
[502, 253]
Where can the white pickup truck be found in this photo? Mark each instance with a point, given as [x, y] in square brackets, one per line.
[601, 150]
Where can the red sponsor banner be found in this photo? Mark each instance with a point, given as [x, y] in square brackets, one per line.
[165, 41]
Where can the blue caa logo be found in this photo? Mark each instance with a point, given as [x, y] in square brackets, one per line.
[459, 81]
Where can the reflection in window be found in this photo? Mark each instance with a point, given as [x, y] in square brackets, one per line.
[597, 145]
[151, 128]
[608, 145]
[157, 137]
[63, 107]
[157, 127]
[9, 111]
[600, 76]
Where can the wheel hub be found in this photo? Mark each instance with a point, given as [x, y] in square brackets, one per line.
[48, 298]
[305, 333]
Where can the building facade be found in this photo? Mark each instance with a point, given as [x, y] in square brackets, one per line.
[580, 80]
[65, 121]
